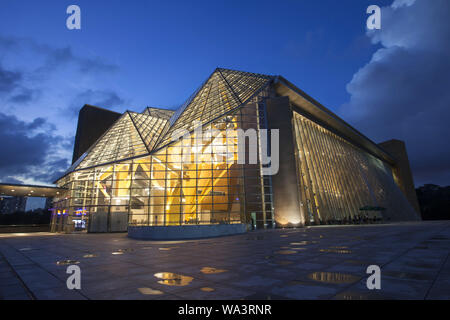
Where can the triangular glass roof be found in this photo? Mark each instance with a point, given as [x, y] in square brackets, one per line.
[149, 126]
[121, 141]
[160, 113]
[223, 91]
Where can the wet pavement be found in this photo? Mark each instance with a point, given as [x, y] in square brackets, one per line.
[324, 262]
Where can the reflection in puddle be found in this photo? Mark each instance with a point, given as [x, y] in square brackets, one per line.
[149, 291]
[333, 277]
[302, 243]
[25, 249]
[209, 270]
[167, 248]
[337, 247]
[66, 262]
[122, 251]
[89, 255]
[298, 249]
[283, 236]
[335, 251]
[173, 279]
[286, 252]
[207, 289]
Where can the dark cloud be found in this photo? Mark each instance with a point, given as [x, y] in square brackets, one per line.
[403, 92]
[28, 150]
[101, 98]
[12, 82]
[9, 80]
[57, 57]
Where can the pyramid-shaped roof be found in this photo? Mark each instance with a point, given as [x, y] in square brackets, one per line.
[121, 141]
[136, 134]
[223, 91]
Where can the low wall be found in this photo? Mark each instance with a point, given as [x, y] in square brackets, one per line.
[184, 232]
[24, 228]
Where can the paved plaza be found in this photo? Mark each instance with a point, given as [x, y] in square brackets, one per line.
[323, 262]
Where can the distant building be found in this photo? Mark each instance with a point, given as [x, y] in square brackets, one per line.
[136, 177]
[10, 205]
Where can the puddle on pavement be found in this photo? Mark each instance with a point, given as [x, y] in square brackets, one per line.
[67, 262]
[150, 291]
[283, 236]
[406, 275]
[26, 249]
[286, 252]
[90, 255]
[173, 279]
[302, 243]
[122, 251]
[340, 251]
[333, 277]
[337, 247]
[209, 270]
[207, 289]
[167, 248]
[298, 249]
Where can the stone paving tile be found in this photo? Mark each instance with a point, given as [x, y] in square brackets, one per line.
[272, 264]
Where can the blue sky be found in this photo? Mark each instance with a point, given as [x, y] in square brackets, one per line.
[133, 54]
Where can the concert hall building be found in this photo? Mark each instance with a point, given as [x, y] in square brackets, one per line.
[130, 174]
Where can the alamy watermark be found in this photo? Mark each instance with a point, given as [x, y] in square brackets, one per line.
[74, 20]
[374, 20]
[74, 280]
[229, 143]
[374, 280]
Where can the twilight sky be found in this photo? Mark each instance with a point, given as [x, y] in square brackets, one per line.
[388, 83]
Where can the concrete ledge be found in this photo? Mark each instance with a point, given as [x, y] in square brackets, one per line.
[184, 232]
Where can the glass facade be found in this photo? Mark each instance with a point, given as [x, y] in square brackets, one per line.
[337, 179]
[195, 180]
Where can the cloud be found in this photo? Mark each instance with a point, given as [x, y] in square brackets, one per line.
[29, 150]
[42, 61]
[56, 57]
[9, 80]
[403, 91]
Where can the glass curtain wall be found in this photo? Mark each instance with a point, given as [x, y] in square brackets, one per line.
[337, 179]
[195, 180]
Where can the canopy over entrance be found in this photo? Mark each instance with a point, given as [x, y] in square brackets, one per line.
[24, 190]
